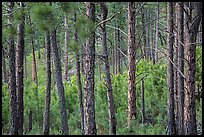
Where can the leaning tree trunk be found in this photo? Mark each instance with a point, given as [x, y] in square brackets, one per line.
[170, 71]
[190, 127]
[46, 124]
[111, 111]
[131, 63]
[59, 85]
[12, 75]
[80, 94]
[180, 25]
[89, 110]
[19, 71]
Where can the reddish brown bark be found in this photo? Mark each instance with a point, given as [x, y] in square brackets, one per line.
[131, 63]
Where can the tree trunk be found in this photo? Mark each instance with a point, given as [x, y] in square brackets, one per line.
[144, 33]
[180, 83]
[157, 33]
[19, 71]
[143, 101]
[131, 63]
[66, 50]
[12, 75]
[46, 124]
[119, 43]
[30, 121]
[189, 104]
[89, 110]
[148, 34]
[39, 50]
[111, 111]
[80, 94]
[153, 45]
[34, 70]
[175, 70]
[59, 84]
[170, 71]
[83, 58]
[25, 66]
[4, 74]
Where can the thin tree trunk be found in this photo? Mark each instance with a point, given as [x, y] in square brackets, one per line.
[25, 66]
[66, 50]
[80, 94]
[59, 84]
[19, 71]
[148, 34]
[175, 70]
[46, 124]
[89, 110]
[39, 56]
[153, 45]
[12, 76]
[4, 74]
[144, 33]
[189, 104]
[30, 121]
[131, 63]
[157, 33]
[143, 101]
[181, 68]
[111, 111]
[83, 58]
[170, 70]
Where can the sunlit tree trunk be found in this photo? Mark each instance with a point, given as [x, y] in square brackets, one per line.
[193, 23]
[131, 63]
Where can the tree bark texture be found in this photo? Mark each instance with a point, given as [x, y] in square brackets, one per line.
[170, 70]
[180, 26]
[46, 124]
[59, 84]
[131, 63]
[89, 110]
[12, 75]
[19, 71]
[190, 127]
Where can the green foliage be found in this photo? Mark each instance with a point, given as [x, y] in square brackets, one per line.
[44, 15]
